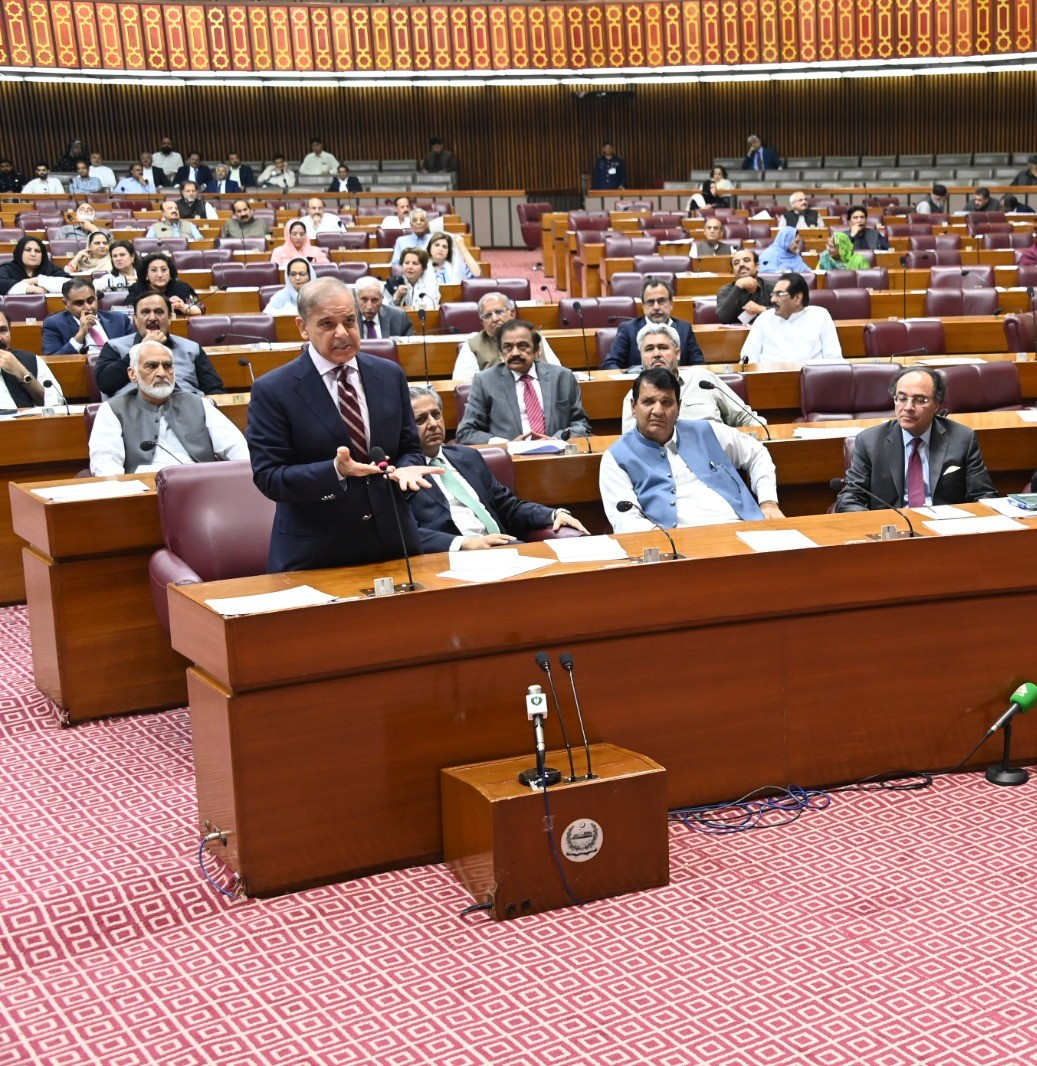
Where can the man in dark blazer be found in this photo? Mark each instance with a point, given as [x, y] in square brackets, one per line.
[81, 326]
[549, 395]
[193, 170]
[240, 172]
[221, 182]
[468, 508]
[344, 181]
[311, 428]
[377, 319]
[657, 301]
[759, 157]
[948, 469]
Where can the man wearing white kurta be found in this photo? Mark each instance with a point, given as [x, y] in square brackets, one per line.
[792, 331]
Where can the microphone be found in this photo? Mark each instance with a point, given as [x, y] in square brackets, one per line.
[1024, 697]
[566, 434]
[1033, 311]
[151, 445]
[578, 308]
[378, 457]
[629, 505]
[233, 335]
[48, 383]
[980, 282]
[536, 712]
[566, 661]
[744, 406]
[422, 315]
[248, 362]
[903, 278]
[618, 318]
[912, 351]
[838, 483]
[544, 662]
[547, 295]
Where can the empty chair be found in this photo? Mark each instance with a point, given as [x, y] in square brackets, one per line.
[215, 255]
[386, 238]
[982, 387]
[243, 244]
[603, 341]
[325, 270]
[938, 242]
[342, 240]
[1026, 275]
[979, 276]
[668, 234]
[738, 230]
[887, 340]
[350, 272]
[383, 347]
[737, 384]
[244, 275]
[23, 306]
[603, 311]
[872, 278]
[843, 303]
[705, 311]
[951, 303]
[1020, 333]
[898, 229]
[588, 223]
[664, 220]
[1007, 240]
[147, 245]
[841, 391]
[463, 317]
[189, 261]
[757, 231]
[652, 264]
[932, 257]
[591, 236]
[476, 288]
[116, 298]
[620, 246]
[231, 329]
[977, 219]
[267, 293]
[632, 205]
[63, 247]
[215, 523]
[11, 233]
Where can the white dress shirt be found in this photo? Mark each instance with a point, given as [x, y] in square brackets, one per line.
[329, 223]
[285, 179]
[36, 187]
[697, 504]
[51, 395]
[170, 164]
[108, 450]
[105, 175]
[314, 164]
[466, 365]
[805, 337]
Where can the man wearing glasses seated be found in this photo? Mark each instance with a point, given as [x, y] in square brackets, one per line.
[481, 350]
[792, 331]
[657, 303]
[917, 458]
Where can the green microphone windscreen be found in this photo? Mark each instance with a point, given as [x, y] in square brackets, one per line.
[1025, 696]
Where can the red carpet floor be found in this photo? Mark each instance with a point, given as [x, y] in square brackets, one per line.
[887, 930]
[513, 263]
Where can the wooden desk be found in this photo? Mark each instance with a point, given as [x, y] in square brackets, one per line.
[320, 758]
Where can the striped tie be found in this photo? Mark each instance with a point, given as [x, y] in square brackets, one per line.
[349, 408]
[534, 412]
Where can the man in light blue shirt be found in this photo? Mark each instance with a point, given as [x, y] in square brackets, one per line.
[171, 225]
[135, 182]
[419, 236]
[82, 182]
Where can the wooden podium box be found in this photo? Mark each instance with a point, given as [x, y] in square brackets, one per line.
[610, 832]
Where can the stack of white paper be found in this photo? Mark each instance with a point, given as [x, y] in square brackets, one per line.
[587, 549]
[535, 447]
[92, 490]
[493, 564]
[775, 540]
[965, 526]
[267, 602]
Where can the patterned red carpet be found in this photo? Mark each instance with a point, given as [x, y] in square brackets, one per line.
[886, 930]
[513, 263]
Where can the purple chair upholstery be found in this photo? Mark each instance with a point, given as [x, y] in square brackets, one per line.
[664, 220]
[872, 278]
[737, 384]
[977, 221]
[60, 247]
[476, 288]
[215, 255]
[883, 340]
[326, 270]
[591, 236]
[630, 284]
[982, 387]
[461, 394]
[596, 312]
[843, 303]
[147, 245]
[24, 305]
[980, 276]
[653, 264]
[93, 389]
[1020, 333]
[927, 219]
[1026, 275]
[758, 231]
[620, 246]
[464, 317]
[131, 205]
[386, 238]
[350, 272]
[737, 229]
[110, 300]
[189, 261]
[245, 275]
[216, 524]
[231, 329]
[842, 391]
[242, 244]
[586, 222]
[932, 257]
[530, 224]
[11, 233]
[342, 240]
[603, 341]
[910, 229]
[267, 293]
[383, 347]
[1007, 240]
[668, 234]
[941, 241]
[705, 311]
[952, 303]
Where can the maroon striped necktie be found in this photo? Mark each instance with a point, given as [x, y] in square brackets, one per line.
[915, 476]
[534, 410]
[349, 408]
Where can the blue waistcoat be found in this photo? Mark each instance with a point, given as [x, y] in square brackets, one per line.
[645, 463]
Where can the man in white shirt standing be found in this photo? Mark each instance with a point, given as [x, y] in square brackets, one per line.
[43, 184]
[158, 425]
[318, 163]
[792, 331]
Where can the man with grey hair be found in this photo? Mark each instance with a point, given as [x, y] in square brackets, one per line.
[759, 157]
[377, 319]
[468, 508]
[419, 235]
[703, 394]
[159, 425]
[221, 182]
[799, 216]
[481, 351]
[172, 225]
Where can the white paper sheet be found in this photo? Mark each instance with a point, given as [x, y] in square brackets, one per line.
[1029, 414]
[536, 447]
[92, 490]
[1005, 506]
[949, 360]
[587, 549]
[494, 564]
[808, 433]
[266, 602]
[964, 526]
[775, 540]
[943, 511]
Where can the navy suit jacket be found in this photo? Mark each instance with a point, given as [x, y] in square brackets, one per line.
[624, 353]
[294, 429]
[60, 328]
[232, 186]
[432, 509]
[183, 174]
[770, 159]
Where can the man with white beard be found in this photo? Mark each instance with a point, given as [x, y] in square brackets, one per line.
[159, 425]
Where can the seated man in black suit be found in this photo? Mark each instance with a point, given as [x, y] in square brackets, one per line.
[916, 459]
[81, 326]
[468, 508]
[193, 170]
[657, 301]
[221, 182]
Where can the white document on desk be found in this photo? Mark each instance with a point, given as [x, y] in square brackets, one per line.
[775, 540]
[267, 602]
[1004, 506]
[491, 564]
[822, 432]
[92, 490]
[943, 511]
[587, 549]
[1029, 414]
[964, 526]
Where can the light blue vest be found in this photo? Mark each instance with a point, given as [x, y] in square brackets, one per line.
[645, 463]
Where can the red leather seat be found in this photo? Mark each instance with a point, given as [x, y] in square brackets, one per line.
[11, 233]
[216, 524]
[1020, 333]
[951, 303]
[22, 306]
[93, 389]
[843, 391]
[461, 394]
[350, 272]
[342, 240]
[116, 298]
[1007, 240]
[590, 236]
[599, 312]
[909, 229]
[978, 276]
[927, 219]
[245, 275]
[932, 257]
[231, 329]
[1026, 275]
[476, 288]
[737, 384]
[737, 229]
[668, 234]
[756, 231]
[653, 264]
[586, 222]
[843, 303]
[941, 241]
[882, 340]
[872, 278]
[705, 310]
[620, 246]
[242, 244]
[631, 284]
[189, 261]
[267, 293]
[663, 220]
[383, 347]
[62, 247]
[982, 387]
[464, 317]
[603, 341]
[977, 220]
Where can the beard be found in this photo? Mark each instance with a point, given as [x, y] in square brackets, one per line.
[156, 392]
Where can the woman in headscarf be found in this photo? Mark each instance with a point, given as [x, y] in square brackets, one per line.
[297, 246]
[709, 197]
[160, 276]
[296, 274]
[449, 260]
[96, 256]
[76, 152]
[839, 255]
[30, 270]
[126, 268]
[782, 255]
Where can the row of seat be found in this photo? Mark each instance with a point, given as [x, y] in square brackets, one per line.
[892, 175]
[910, 159]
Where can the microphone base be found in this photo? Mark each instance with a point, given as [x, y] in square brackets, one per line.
[998, 774]
[532, 777]
[901, 534]
[407, 586]
[662, 557]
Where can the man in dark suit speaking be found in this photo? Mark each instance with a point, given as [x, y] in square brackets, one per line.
[311, 428]
[916, 459]
[468, 508]
[657, 303]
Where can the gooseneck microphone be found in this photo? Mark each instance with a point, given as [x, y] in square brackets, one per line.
[380, 459]
[838, 483]
[629, 505]
[567, 663]
[48, 383]
[744, 406]
[151, 445]
[544, 662]
[248, 362]
[578, 308]
[234, 337]
[536, 712]
[912, 351]
[422, 315]
[567, 434]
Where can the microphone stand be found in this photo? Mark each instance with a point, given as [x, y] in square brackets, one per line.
[578, 308]
[837, 484]
[247, 362]
[378, 457]
[422, 315]
[629, 505]
[567, 664]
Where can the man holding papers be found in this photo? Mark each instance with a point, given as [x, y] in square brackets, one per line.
[916, 459]
[468, 508]
[682, 473]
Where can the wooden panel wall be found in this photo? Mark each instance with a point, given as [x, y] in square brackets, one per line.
[532, 137]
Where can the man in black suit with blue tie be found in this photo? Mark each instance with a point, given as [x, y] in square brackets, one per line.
[81, 326]
[312, 426]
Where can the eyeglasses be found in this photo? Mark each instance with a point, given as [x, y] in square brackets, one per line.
[779, 294]
[657, 301]
[902, 400]
[499, 313]
[519, 346]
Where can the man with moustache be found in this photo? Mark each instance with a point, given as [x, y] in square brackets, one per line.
[749, 295]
